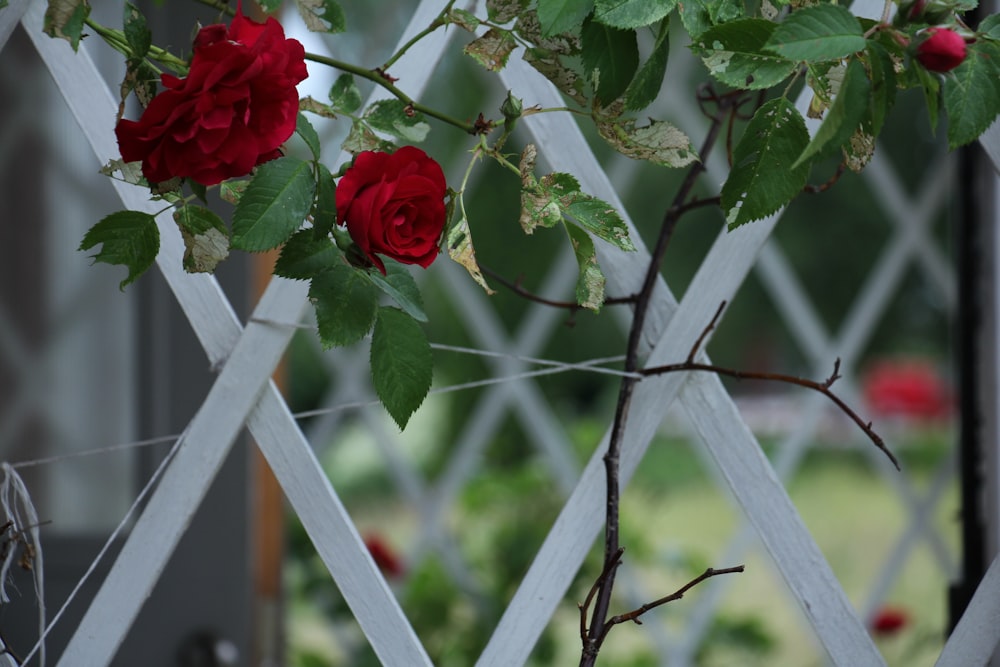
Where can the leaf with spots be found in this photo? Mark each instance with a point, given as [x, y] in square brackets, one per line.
[734, 54]
[492, 49]
[760, 181]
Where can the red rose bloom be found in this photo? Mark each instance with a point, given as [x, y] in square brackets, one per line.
[393, 205]
[234, 109]
[942, 51]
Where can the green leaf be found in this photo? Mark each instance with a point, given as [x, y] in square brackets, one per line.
[817, 33]
[492, 49]
[883, 89]
[322, 15]
[502, 11]
[845, 114]
[972, 93]
[761, 181]
[631, 14]
[399, 284]
[345, 302]
[136, 31]
[989, 27]
[274, 205]
[599, 218]
[649, 79]
[304, 129]
[590, 284]
[659, 142]
[206, 238]
[402, 363]
[734, 54]
[557, 16]
[395, 118]
[700, 15]
[610, 59]
[324, 212]
[65, 19]
[129, 238]
[344, 95]
[305, 256]
[270, 6]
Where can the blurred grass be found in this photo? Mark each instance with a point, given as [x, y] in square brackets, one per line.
[675, 523]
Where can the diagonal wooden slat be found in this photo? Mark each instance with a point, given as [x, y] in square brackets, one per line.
[279, 437]
[976, 636]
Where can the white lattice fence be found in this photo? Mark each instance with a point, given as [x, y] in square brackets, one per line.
[243, 395]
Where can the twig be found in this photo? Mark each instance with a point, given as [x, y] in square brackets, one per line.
[517, 287]
[830, 182]
[821, 387]
[707, 330]
[676, 595]
[585, 605]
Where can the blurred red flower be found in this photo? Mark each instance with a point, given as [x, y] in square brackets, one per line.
[907, 388]
[384, 556]
[889, 620]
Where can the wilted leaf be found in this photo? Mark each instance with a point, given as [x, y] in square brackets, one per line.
[591, 282]
[206, 238]
[65, 19]
[492, 49]
[322, 15]
[659, 142]
[459, 240]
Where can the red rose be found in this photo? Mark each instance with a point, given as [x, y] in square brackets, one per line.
[384, 556]
[907, 388]
[234, 109]
[393, 205]
[889, 621]
[942, 51]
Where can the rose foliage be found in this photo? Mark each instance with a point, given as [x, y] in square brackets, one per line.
[356, 230]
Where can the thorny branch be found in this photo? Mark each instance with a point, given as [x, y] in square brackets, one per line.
[518, 288]
[676, 595]
[823, 387]
[718, 108]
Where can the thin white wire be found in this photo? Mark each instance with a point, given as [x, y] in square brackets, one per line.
[107, 545]
[554, 367]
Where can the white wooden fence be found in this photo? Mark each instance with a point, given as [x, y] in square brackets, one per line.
[243, 395]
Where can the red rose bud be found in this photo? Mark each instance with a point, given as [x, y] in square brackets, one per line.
[942, 51]
[393, 205]
[236, 106]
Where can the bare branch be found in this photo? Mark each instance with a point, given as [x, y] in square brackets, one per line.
[676, 595]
